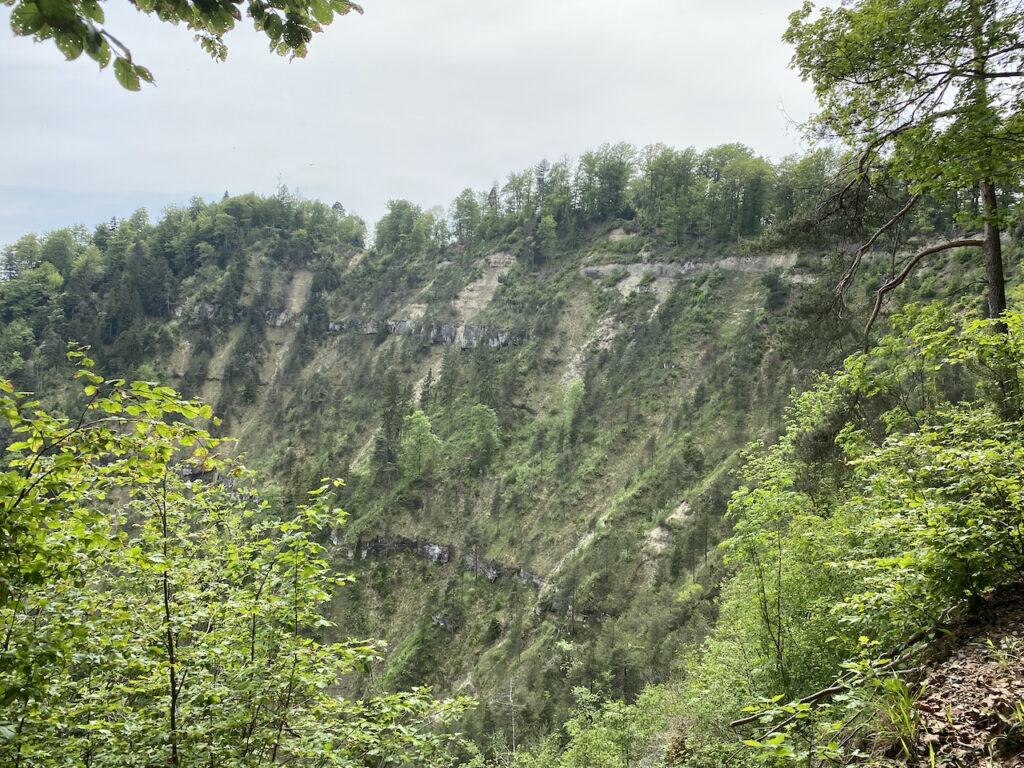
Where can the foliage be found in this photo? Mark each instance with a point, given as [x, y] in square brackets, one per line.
[478, 439]
[587, 462]
[155, 612]
[893, 498]
[606, 733]
[928, 92]
[77, 26]
[116, 288]
[932, 85]
[421, 448]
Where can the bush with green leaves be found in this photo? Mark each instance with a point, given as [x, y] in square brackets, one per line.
[154, 612]
[602, 732]
[893, 499]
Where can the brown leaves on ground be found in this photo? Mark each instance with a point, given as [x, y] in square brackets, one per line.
[972, 707]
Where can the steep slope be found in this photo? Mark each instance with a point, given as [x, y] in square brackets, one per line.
[555, 524]
[537, 457]
[537, 414]
[967, 709]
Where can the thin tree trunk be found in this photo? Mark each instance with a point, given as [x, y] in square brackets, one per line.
[1009, 384]
[993, 254]
[169, 628]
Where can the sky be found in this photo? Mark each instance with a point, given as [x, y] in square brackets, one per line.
[412, 99]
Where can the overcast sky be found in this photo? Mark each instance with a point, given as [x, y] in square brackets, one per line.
[416, 99]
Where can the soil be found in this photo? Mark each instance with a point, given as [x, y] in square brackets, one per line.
[972, 704]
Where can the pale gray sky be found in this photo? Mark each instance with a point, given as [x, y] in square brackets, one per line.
[414, 99]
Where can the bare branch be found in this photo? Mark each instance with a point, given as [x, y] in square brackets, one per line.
[840, 685]
[905, 272]
[844, 283]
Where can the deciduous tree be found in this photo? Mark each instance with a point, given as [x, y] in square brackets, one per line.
[931, 89]
[77, 26]
[152, 612]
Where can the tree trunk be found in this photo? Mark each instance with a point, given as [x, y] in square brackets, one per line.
[993, 254]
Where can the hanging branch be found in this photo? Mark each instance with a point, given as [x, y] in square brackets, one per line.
[847, 278]
[905, 272]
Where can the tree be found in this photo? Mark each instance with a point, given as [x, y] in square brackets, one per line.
[76, 26]
[664, 190]
[602, 177]
[22, 255]
[478, 439]
[421, 448]
[396, 231]
[465, 216]
[932, 90]
[154, 612]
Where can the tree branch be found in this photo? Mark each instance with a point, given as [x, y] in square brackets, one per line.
[844, 283]
[994, 75]
[839, 685]
[905, 272]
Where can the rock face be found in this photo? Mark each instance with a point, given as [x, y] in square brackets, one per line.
[755, 264]
[471, 336]
[467, 336]
[442, 334]
[276, 318]
[493, 571]
[444, 621]
[500, 260]
[382, 547]
[530, 579]
[435, 553]
[473, 562]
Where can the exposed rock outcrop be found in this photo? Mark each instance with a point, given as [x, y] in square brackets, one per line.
[476, 564]
[382, 547]
[493, 570]
[467, 336]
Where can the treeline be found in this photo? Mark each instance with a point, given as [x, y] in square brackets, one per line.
[682, 199]
[115, 287]
[103, 287]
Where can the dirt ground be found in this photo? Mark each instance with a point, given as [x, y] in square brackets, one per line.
[971, 708]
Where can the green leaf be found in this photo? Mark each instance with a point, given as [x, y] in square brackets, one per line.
[26, 19]
[126, 74]
[58, 13]
[92, 10]
[144, 73]
[273, 26]
[322, 11]
[343, 8]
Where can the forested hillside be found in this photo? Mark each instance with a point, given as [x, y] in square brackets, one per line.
[539, 402]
